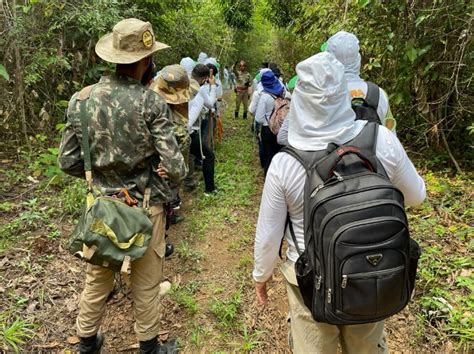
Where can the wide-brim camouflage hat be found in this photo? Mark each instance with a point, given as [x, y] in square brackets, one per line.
[172, 83]
[130, 41]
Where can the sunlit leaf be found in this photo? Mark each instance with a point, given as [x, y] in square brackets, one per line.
[4, 73]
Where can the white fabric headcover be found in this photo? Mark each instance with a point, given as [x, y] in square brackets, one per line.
[188, 64]
[202, 57]
[320, 111]
[345, 47]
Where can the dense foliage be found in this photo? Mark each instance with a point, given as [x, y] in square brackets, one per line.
[48, 51]
[420, 52]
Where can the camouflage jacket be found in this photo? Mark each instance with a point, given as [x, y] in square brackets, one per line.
[130, 132]
[243, 79]
[180, 124]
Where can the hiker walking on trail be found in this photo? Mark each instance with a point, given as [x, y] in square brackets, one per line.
[321, 115]
[131, 137]
[242, 87]
[345, 47]
[272, 88]
[198, 108]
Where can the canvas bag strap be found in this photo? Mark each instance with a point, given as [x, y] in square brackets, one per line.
[83, 97]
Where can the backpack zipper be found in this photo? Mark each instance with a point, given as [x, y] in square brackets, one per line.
[338, 176]
[316, 190]
[329, 296]
[344, 281]
[318, 283]
[368, 275]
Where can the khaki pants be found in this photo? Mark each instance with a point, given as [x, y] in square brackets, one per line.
[310, 336]
[242, 97]
[146, 274]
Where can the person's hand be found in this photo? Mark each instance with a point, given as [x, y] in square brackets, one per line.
[261, 290]
[212, 79]
[161, 171]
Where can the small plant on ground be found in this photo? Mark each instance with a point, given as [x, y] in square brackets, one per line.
[226, 311]
[183, 295]
[14, 334]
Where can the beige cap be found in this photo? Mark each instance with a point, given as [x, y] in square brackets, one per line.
[130, 41]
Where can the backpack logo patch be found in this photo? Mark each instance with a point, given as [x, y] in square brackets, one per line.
[374, 259]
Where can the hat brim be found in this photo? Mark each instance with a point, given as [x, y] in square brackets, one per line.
[179, 97]
[106, 51]
[274, 90]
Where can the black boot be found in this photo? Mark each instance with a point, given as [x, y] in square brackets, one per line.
[236, 115]
[149, 346]
[245, 115]
[91, 345]
[169, 250]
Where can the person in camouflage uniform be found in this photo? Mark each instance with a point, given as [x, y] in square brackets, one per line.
[242, 86]
[173, 85]
[131, 136]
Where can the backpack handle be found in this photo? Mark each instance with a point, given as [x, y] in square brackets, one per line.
[340, 152]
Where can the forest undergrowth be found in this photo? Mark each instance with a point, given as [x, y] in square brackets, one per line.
[212, 306]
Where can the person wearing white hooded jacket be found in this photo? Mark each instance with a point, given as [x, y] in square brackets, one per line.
[320, 114]
[345, 47]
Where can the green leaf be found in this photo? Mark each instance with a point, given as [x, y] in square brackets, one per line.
[62, 103]
[412, 54]
[424, 50]
[428, 67]
[390, 48]
[4, 73]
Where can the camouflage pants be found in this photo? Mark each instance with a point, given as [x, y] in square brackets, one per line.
[146, 274]
[309, 336]
[242, 98]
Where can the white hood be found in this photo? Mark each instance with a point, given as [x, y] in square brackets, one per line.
[211, 60]
[202, 57]
[188, 64]
[320, 111]
[345, 47]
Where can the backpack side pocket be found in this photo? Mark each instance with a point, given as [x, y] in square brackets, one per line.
[305, 278]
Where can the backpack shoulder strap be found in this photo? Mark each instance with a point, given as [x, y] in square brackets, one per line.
[373, 95]
[307, 158]
[367, 138]
[367, 141]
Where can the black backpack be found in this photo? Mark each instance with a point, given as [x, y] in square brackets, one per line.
[366, 108]
[359, 263]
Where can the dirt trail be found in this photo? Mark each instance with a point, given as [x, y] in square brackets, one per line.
[212, 306]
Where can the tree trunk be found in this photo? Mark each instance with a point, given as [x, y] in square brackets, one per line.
[20, 85]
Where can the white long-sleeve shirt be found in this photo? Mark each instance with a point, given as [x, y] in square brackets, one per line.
[195, 108]
[264, 110]
[209, 94]
[204, 99]
[283, 193]
[282, 137]
[255, 97]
